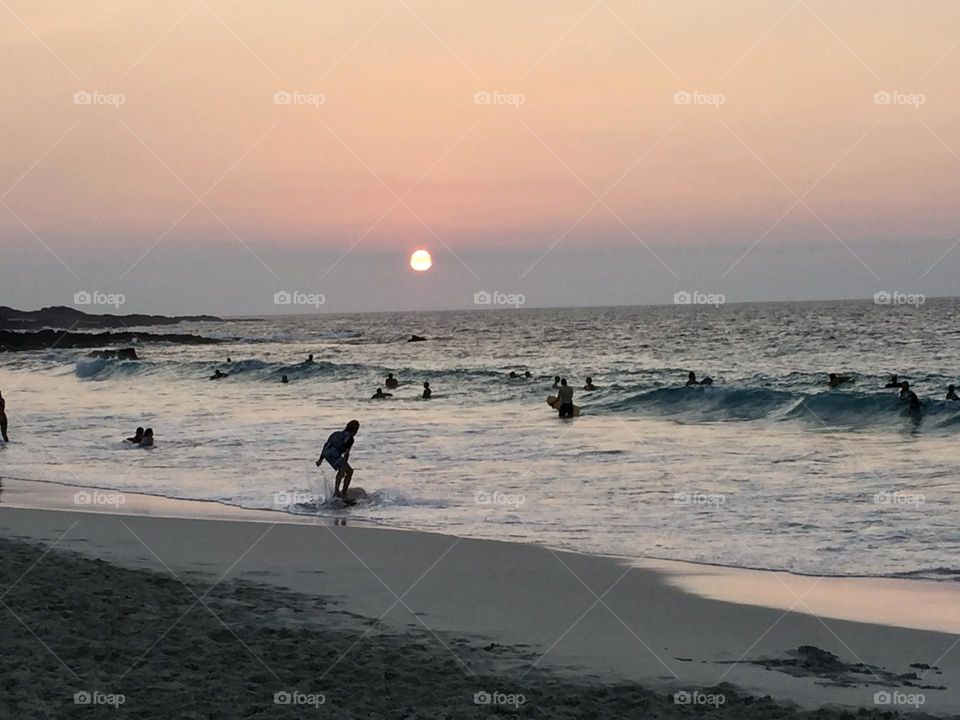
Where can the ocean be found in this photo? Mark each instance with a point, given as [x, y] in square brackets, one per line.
[767, 468]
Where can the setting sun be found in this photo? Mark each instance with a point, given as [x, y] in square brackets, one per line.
[421, 261]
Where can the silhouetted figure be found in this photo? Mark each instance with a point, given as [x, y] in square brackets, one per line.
[310, 358]
[513, 375]
[893, 382]
[589, 386]
[147, 438]
[834, 380]
[427, 392]
[556, 382]
[380, 395]
[229, 361]
[952, 393]
[336, 451]
[137, 437]
[391, 382]
[692, 380]
[911, 397]
[285, 380]
[565, 399]
[3, 419]
[527, 374]
[217, 375]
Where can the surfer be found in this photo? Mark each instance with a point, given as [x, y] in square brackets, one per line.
[527, 374]
[692, 380]
[589, 387]
[3, 418]
[285, 380]
[391, 382]
[834, 380]
[217, 375]
[137, 437]
[513, 375]
[310, 358]
[147, 440]
[380, 395]
[911, 397]
[951, 393]
[893, 382]
[427, 392]
[565, 399]
[336, 451]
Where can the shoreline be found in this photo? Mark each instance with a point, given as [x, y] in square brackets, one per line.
[576, 616]
[875, 599]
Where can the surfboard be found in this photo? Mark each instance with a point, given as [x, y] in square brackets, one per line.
[553, 401]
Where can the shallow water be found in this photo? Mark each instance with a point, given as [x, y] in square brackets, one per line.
[768, 468]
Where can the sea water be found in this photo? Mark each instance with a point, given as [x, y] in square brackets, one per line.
[767, 468]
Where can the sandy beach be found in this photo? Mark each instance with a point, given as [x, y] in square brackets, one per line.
[182, 617]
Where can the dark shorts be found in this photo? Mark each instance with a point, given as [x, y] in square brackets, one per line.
[566, 410]
[337, 462]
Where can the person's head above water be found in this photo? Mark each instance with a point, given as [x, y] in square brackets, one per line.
[353, 427]
[556, 379]
[284, 379]
[513, 374]
[691, 375]
[950, 388]
[426, 384]
[904, 385]
[893, 378]
[589, 380]
[139, 432]
[148, 432]
[563, 382]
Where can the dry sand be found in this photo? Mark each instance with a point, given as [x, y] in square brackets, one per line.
[211, 618]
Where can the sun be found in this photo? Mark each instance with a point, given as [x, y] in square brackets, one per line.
[421, 261]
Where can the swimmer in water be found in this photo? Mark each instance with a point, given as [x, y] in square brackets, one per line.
[834, 380]
[589, 387]
[336, 451]
[147, 438]
[893, 382]
[3, 419]
[527, 374]
[952, 393]
[556, 382]
[217, 375]
[310, 358]
[137, 437]
[692, 380]
[285, 380]
[911, 397]
[380, 395]
[391, 382]
[513, 375]
[427, 392]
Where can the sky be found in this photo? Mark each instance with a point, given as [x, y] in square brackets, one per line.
[208, 156]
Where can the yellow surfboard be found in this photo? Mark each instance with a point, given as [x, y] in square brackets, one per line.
[554, 402]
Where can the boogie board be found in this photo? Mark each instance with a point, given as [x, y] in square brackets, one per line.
[553, 401]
